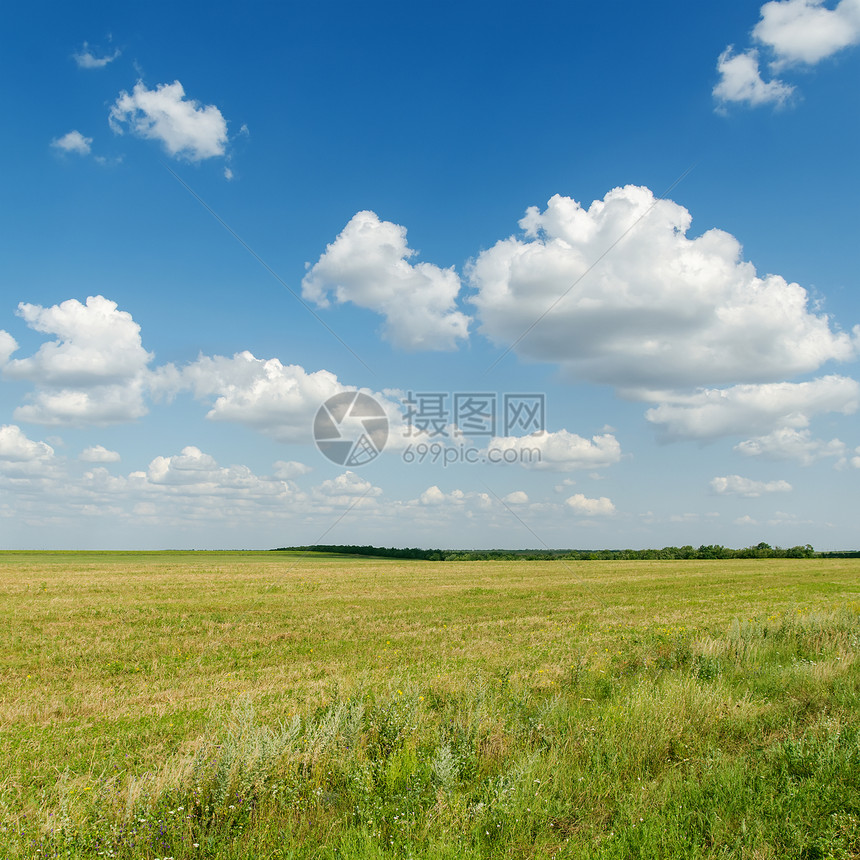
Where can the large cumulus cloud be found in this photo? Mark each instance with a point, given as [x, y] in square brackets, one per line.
[660, 310]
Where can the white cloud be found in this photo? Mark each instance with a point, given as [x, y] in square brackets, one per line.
[806, 31]
[194, 474]
[735, 485]
[518, 497]
[26, 466]
[86, 59]
[273, 398]
[100, 405]
[455, 502]
[75, 142]
[580, 503]
[744, 409]
[559, 451]
[745, 520]
[8, 345]
[346, 488]
[21, 455]
[276, 399]
[186, 128]
[94, 372]
[96, 343]
[793, 31]
[688, 517]
[99, 454]
[192, 466]
[368, 265]
[289, 469]
[660, 310]
[741, 81]
[434, 497]
[788, 443]
[781, 518]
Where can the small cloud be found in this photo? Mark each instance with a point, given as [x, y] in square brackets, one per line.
[288, 469]
[228, 174]
[15, 446]
[74, 141]
[745, 520]
[683, 518]
[601, 507]
[787, 443]
[518, 497]
[781, 518]
[8, 345]
[559, 451]
[86, 59]
[347, 490]
[348, 484]
[99, 454]
[368, 265]
[108, 162]
[433, 496]
[792, 32]
[806, 31]
[185, 127]
[735, 485]
[741, 81]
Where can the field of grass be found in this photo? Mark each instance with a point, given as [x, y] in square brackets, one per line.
[267, 705]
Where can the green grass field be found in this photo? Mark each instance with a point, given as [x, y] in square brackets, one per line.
[267, 705]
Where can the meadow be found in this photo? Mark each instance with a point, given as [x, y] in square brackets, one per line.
[276, 705]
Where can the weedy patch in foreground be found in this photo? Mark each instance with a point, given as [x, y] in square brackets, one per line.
[745, 745]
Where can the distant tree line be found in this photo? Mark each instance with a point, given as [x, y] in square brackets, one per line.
[373, 551]
[760, 550]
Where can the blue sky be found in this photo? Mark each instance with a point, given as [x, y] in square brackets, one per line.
[644, 215]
